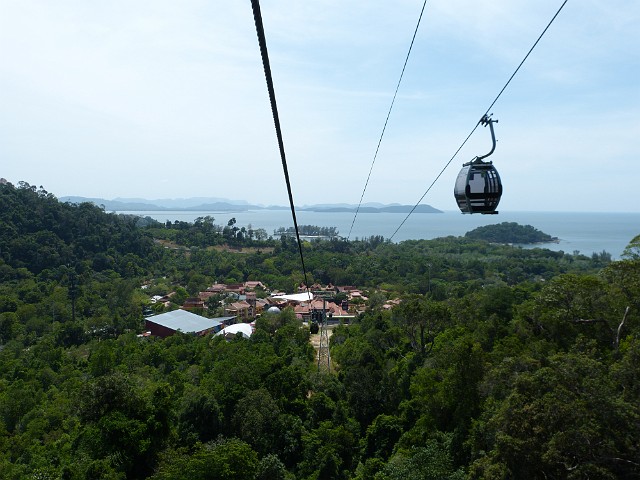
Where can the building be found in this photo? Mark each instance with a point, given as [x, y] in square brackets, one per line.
[193, 303]
[167, 324]
[239, 329]
[261, 305]
[217, 288]
[253, 284]
[239, 309]
[237, 288]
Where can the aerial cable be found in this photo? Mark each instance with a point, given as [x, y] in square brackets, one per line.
[257, 16]
[387, 119]
[480, 121]
[525, 58]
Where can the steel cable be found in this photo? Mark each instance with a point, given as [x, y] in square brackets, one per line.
[375, 156]
[257, 16]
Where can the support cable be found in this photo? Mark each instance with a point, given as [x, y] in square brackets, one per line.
[477, 124]
[375, 156]
[257, 17]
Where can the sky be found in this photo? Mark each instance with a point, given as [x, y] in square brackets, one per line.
[164, 99]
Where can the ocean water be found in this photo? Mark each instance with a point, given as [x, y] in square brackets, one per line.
[583, 232]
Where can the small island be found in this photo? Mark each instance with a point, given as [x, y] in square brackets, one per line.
[308, 231]
[510, 232]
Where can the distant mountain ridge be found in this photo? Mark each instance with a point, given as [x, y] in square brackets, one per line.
[181, 203]
[141, 205]
[225, 205]
[383, 209]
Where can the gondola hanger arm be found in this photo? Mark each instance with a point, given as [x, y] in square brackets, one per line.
[484, 121]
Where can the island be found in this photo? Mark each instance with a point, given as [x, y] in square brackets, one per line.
[510, 232]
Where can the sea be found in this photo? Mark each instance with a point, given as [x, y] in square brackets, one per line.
[583, 232]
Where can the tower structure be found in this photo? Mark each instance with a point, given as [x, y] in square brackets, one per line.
[324, 355]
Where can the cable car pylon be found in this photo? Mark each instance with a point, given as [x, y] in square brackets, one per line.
[324, 354]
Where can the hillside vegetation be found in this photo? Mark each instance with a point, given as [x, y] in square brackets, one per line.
[498, 362]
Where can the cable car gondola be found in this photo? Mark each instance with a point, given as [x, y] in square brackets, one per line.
[478, 188]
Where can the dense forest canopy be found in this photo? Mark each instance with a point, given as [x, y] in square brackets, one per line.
[496, 362]
[39, 233]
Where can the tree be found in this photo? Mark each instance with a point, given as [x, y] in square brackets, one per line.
[123, 423]
[214, 304]
[623, 280]
[632, 251]
[329, 451]
[421, 319]
[200, 417]
[564, 420]
[429, 462]
[228, 459]
[361, 372]
[271, 468]
[573, 304]
[381, 436]
[256, 420]
[180, 296]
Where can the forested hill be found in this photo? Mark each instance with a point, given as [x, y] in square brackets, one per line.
[39, 232]
[464, 359]
[510, 232]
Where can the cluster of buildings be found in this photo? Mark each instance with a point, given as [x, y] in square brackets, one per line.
[242, 302]
[241, 305]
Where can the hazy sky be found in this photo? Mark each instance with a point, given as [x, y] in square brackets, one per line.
[167, 99]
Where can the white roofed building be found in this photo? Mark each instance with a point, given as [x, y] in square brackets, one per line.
[239, 329]
[167, 324]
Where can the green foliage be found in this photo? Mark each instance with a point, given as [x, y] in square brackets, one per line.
[564, 420]
[256, 420]
[199, 416]
[382, 436]
[227, 459]
[422, 319]
[329, 451]
[632, 251]
[203, 233]
[123, 422]
[570, 305]
[271, 468]
[39, 233]
[430, 462]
